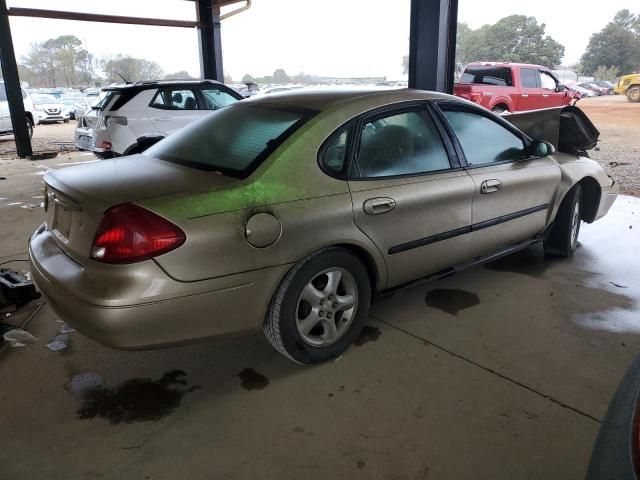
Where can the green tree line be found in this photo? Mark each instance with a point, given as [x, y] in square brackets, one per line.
[65, 62]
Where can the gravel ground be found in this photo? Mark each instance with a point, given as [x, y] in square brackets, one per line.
[618, 150]
[46, 138]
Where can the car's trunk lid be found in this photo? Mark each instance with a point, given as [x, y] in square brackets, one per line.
[78, 196]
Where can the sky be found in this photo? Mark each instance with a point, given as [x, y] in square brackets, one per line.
[342, 38]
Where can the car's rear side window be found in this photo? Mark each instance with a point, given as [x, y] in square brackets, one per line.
[232, 140]
[488, 75]
[529, 77]
[403, 143]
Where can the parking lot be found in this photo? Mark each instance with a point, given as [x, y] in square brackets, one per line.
[504, 370]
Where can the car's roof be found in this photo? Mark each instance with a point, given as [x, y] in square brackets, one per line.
[506, 64]
[324, 98]
[149, 84]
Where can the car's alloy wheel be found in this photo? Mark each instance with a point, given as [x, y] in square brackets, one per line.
[320, 306]
[326, 307]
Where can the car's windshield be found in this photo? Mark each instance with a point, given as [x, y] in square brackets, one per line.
[40, 99]
[487, 75]
[232, 140]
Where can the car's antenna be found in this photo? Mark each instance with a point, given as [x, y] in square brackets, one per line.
[128, 82]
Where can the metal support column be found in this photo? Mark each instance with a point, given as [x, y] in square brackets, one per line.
[12, 85]
[432, 44]
[209, 40]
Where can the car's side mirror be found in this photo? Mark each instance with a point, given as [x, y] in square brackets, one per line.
[561, 88]
[540, 148]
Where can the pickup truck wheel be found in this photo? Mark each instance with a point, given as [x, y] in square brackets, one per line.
[498, 110]
[563, 239]
[30, 128]
[320, 307]
[633, 94]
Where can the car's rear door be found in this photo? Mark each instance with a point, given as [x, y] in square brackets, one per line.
[530, 97]
[409, 194]
[512, 195]
[172, 108]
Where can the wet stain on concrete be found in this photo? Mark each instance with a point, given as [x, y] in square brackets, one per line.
[360, 464]
[531, 262]
[136, 400]
[451, 301]
[367, 334]
[252, 380]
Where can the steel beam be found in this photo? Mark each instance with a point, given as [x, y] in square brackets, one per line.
[209, 40]
[432, 44]
[12, 85]
[94, 17]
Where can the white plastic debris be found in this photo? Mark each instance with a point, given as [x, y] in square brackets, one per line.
[18, 338]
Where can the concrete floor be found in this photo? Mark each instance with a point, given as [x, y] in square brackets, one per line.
[504, 371]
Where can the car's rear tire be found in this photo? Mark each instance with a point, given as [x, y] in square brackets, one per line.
[320, 307]
[500, 110]
[563, 238]
[29, 128]
[633, 94]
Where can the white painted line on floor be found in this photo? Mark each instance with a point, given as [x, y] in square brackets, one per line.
[77, 163]
[14, 203]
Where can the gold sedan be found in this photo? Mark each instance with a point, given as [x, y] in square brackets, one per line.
[289, 212]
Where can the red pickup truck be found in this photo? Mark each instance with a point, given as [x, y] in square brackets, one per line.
[512, 87]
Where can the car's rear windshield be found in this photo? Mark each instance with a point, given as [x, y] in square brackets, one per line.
[233, 140]
[487, 75]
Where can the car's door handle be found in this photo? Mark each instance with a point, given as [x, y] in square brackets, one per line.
[162, 119]
[378, 206]
[545, 94]
[525, 95]
[490, 186]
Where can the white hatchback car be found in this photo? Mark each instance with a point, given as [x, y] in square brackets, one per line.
[131, 118]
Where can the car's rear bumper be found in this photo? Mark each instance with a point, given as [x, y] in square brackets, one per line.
[167, 312]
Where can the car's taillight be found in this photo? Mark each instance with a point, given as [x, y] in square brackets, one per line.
[129, 233]
[105, 145]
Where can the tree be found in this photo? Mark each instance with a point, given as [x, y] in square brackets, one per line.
[132, 69]
[616, 45]
[247, 78]
[516, 38]
[228, 79]
[606, 73]
[280, 76]
[181, 75]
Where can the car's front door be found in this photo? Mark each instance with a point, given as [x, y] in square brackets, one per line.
[512, 194]
[173, 108]
[409, 194]
[551, 97]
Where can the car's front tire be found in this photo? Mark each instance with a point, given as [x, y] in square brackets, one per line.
[563, 238]
[633, 94]
[320, 307]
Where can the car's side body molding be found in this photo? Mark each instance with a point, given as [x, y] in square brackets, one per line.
[421, 242]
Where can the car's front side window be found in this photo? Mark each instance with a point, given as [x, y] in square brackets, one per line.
[547, 81]
[179, 99]
[214, 98]
[483, 141]
[405, 143]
